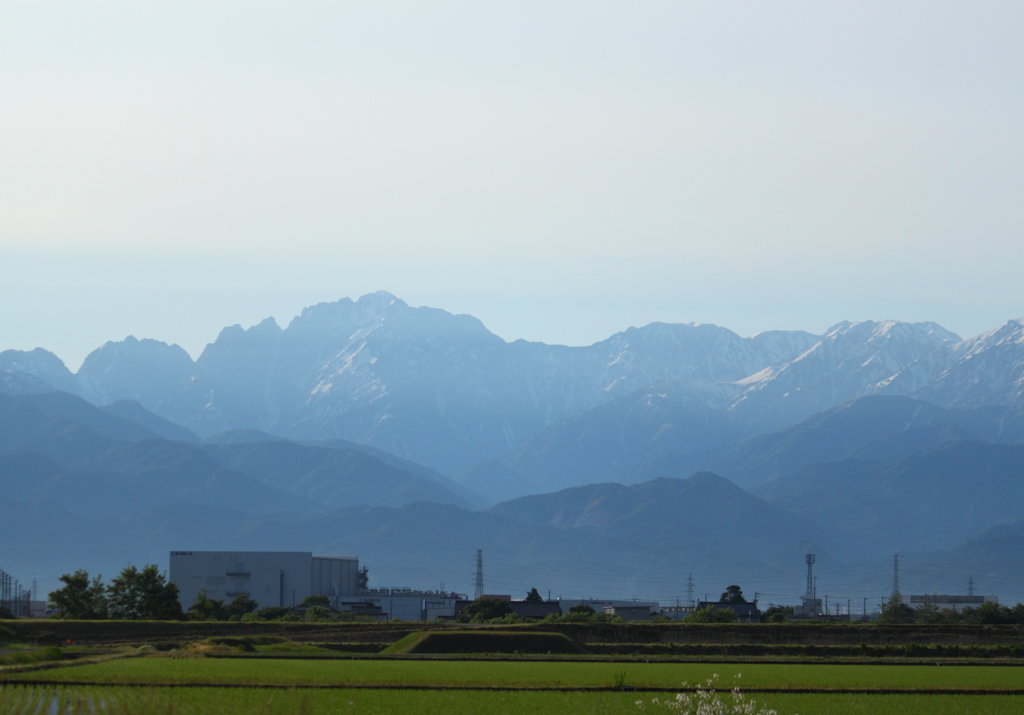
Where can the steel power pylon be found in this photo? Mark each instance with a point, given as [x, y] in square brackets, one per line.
[810, 575]
[479, 586]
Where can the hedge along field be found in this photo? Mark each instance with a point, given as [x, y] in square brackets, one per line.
[526, 674]
[186, 701]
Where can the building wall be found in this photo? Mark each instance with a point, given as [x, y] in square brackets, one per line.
[271, 578]
[335, 576]
[945, 601]
[630, 613]
[601, 604]
[406, 607]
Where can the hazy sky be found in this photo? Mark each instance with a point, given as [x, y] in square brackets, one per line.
[561, 170]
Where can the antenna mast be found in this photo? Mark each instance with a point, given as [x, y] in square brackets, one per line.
[896, 573]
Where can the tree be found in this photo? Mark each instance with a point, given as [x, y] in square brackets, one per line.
[733, 594]
[273, 613]
[582, 609]
[534, 597]
[712, 615]
[80, 599]
[239, 606]
[205, 608]
[317, 599]
[143, 595]
[929, 613]
[316, 612]
[484, 609]
[777, 614]
[895, 611]
[988, 613]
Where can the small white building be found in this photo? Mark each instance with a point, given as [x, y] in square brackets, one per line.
[631, 612]
[271, 578]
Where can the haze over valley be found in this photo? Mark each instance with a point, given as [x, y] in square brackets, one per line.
[414, 436]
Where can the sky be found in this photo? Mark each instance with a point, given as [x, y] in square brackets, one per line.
[560, 170]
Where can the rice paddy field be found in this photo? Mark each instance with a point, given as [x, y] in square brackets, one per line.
[157, 683]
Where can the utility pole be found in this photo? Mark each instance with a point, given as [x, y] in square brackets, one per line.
[865, 607]
[479, 586]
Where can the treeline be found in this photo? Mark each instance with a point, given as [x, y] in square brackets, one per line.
[498, 610]
[242, 608]
[146, 595]
[135, 594]
[987, 614]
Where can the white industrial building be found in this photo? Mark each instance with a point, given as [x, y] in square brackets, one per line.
[285, 578]
[271, 578]
[948, 602]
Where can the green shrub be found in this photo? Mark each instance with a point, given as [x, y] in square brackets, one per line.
[318, 613]
[484, 610]
[712, 615]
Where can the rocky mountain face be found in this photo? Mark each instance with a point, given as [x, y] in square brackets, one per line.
[430, 386]
[441, 390]
[848, 361]
[40, 364]
[985, 370]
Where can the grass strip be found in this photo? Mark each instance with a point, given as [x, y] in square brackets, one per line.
[512, 689]
[519, 674]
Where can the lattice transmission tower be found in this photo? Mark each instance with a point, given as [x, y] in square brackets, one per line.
[479, 585]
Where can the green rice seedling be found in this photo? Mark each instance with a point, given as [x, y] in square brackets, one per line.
[17, 700]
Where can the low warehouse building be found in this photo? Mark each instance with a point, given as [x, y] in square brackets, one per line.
[947, 602]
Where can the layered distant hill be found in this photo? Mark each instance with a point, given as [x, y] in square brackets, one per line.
[386, 430]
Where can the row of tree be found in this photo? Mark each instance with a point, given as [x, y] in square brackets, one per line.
[895, 611]
[146, 594]
[135, 594]
[242, 608]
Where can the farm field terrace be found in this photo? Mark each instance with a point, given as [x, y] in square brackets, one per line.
[531, 674]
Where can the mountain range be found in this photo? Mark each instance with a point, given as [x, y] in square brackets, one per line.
[441, 390]
[413, 437]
